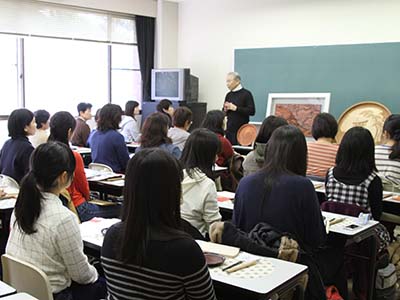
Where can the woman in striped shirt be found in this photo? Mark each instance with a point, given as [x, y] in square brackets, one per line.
[322, 152]
[147, 255]
[387, 155]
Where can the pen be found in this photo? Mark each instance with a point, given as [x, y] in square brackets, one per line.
[242, 266]
[232, 265]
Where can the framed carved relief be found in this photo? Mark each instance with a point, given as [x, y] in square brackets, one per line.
[298, 109]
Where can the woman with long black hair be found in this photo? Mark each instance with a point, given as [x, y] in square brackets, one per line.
[62, 125]
[199, 194]
[354, 179]
[45, 233]
[148, 251]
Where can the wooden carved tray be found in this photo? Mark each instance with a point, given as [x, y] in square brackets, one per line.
[367, 114]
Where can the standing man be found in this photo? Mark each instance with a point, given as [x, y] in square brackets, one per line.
[239, 106]
[82, 130]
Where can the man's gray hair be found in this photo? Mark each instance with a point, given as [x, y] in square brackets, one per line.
[235, 75]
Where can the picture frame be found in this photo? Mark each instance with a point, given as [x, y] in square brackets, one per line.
[298, 109]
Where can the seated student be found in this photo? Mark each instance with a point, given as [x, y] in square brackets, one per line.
[200, 206]
[165, 107]
[215, 121]
[45, 233]
[179, 133]
[42, 125]
[82, 131]
[129, 125]
[107, 144]
[62, 125]
[354, 179]
[387, 155]
[147, 251]
[15, 154]
[322, 152]
[280, 194]
[254, 161]
[154, 134]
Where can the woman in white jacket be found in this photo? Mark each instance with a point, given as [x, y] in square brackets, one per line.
[129, 125]
[200, 206]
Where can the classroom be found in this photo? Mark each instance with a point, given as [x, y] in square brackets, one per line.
[187, 149]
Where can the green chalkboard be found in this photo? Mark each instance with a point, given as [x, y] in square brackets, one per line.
[351, 73]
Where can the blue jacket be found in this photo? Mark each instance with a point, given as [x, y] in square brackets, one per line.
[291, 206]
[109, 148]
[14, 157]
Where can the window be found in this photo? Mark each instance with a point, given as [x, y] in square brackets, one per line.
[126, 80]
[64, 55]
[59, 74]
[8, 74]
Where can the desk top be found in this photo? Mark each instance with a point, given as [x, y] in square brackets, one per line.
[91, 230]
[278, 274]
[266, 277]
[9, 202]
[341, 228]
[250, 148]
[217, 168]
[6, 290]
[225, 200]
[133, 145]
[19, 296]
[107, 178]
[82, 150]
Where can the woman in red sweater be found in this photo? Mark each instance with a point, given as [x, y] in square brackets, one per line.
[215, 121]
[62, 125]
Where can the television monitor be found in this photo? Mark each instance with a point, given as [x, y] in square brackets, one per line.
[173, 84]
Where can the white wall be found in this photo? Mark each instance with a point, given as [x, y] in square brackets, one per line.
[167, 35]
[136, 7]
[210, 30]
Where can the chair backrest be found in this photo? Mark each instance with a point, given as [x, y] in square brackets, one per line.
[100, 167]
[25, 277]
[8, 181]
[342, 208]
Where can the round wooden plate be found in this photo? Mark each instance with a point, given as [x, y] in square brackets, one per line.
[213, 259]
[367, 114]
[246, 134]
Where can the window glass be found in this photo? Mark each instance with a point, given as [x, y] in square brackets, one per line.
[59, 74]
[8, 74]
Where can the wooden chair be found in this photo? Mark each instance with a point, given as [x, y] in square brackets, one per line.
[25, 277]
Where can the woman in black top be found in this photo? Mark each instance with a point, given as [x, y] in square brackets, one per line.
[165, 107]
[354, 179]
[15, 154]
[147, 251]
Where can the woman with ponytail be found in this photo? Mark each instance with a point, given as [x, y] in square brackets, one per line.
[62, 125]
[387, 155]
[45, 233]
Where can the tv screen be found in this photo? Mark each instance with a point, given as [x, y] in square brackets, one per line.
[167, 84]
